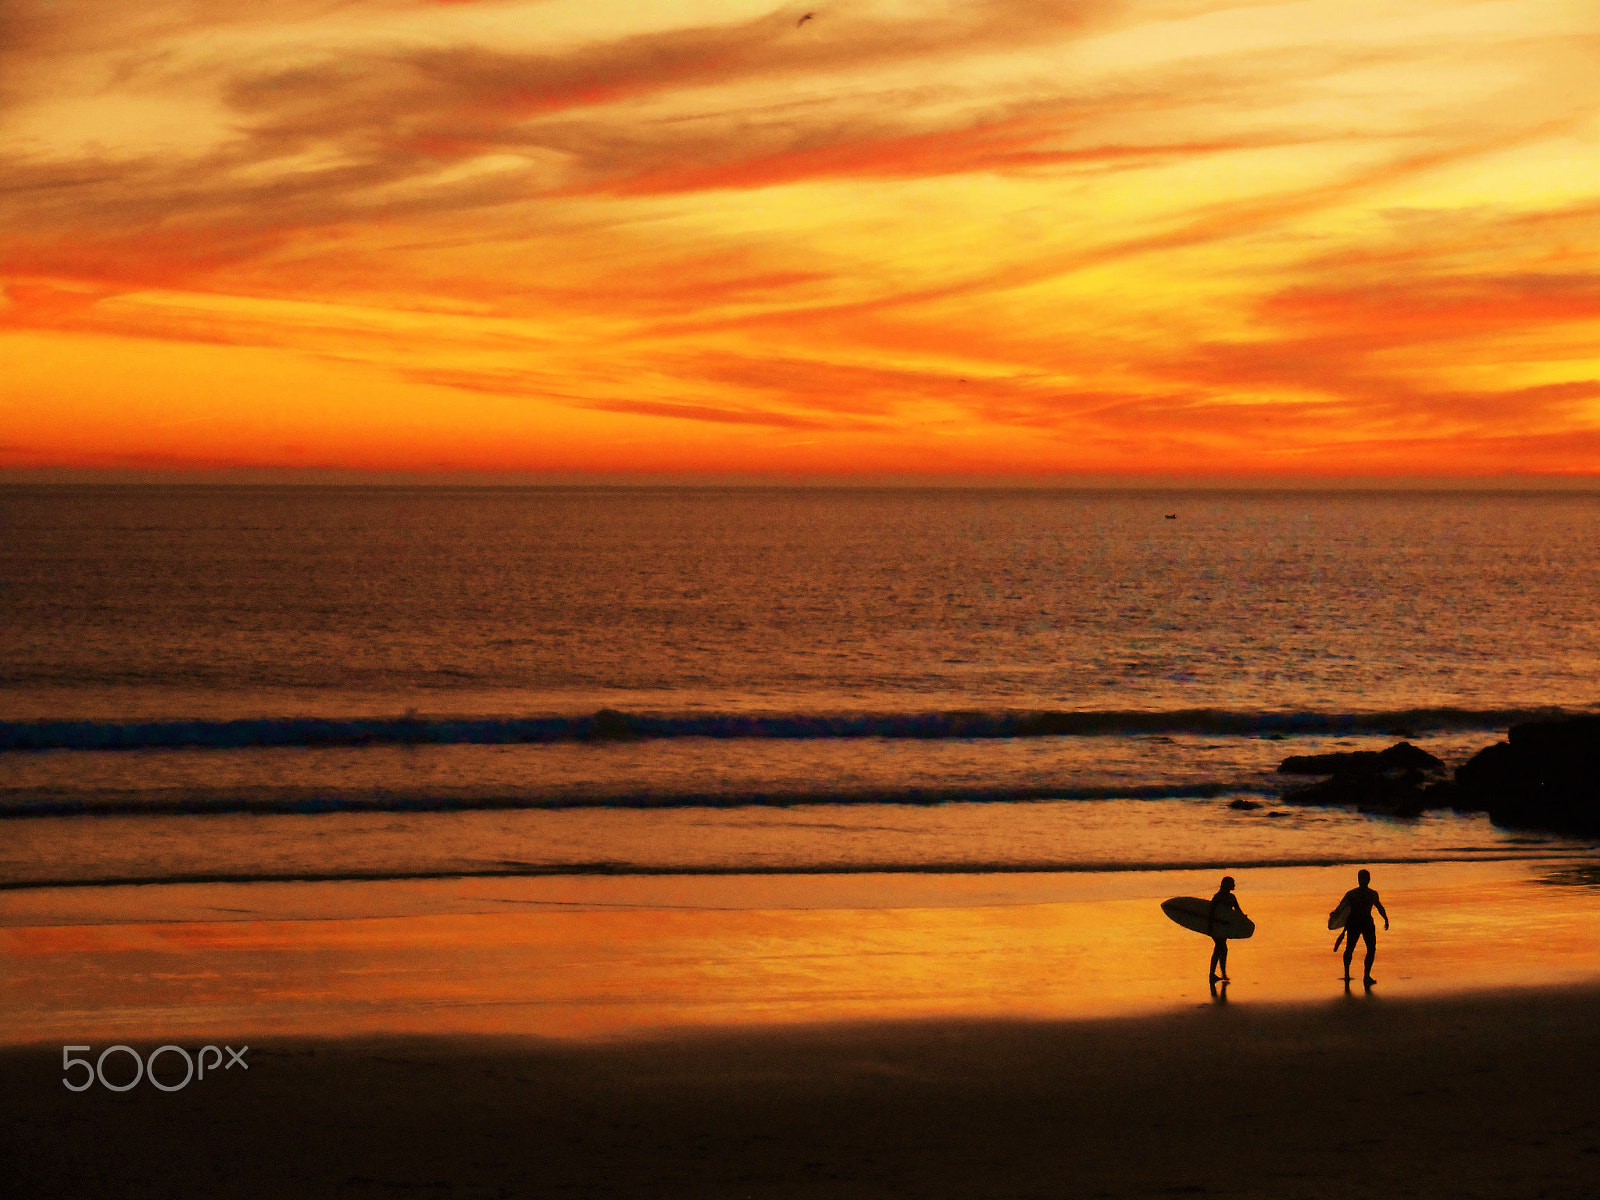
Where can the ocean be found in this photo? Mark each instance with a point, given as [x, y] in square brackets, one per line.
[240, 684]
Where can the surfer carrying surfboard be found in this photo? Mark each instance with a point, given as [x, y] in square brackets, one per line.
[1222, 903]
[1358, 904]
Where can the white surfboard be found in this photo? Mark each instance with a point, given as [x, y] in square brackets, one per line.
[1339, 916]
[1192, 912]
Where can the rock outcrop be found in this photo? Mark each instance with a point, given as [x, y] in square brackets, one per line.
[1402, 756]
[1401, 781]
[1546, 776]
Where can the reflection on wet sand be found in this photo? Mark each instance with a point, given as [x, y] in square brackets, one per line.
[1567, 875]
[587, 957]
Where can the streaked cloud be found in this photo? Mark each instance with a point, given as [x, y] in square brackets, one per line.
[1017, 235]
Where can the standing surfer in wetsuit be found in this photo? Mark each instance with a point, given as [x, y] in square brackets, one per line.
[1224, 901]
[1359, 924]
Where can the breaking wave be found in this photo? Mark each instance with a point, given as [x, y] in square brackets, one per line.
[309, 800]
[610, 725]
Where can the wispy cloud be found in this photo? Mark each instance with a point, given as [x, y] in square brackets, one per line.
[1103, 231]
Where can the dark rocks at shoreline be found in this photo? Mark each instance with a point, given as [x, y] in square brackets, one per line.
[1546, 776]
[1401, 781]
[1402, 756]
[1392, 794]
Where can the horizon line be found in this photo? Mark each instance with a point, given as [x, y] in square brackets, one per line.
[13, 478]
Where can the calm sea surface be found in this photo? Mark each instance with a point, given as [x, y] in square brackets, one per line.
[295, 683]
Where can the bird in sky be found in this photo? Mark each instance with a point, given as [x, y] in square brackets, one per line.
[803, 20]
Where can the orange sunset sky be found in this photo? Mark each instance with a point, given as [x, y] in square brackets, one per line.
[1019, 239]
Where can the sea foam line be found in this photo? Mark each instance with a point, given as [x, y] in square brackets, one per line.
[306, 801]
[611, 725]
[529, 871]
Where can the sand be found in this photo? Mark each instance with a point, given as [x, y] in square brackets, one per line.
[629, 956]
[1488, 1095]
[971, 1037]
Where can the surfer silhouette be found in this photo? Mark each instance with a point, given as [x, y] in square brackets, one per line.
[1224, 901]
[1359, 902]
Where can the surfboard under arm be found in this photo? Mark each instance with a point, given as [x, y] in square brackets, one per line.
[1193, 913]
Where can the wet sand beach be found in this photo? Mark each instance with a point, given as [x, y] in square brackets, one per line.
[965, 1036]
[1487, 1095]
[585, 957]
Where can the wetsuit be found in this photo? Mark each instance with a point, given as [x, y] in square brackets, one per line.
[1360, 923]
[1224, 902]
